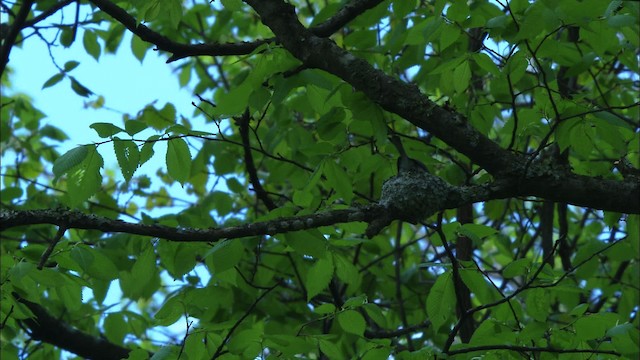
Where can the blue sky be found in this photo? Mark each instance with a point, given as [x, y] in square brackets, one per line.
[126, 84]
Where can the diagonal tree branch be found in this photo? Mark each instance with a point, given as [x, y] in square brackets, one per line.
[12, 35]
[45, 327]
[543, 179]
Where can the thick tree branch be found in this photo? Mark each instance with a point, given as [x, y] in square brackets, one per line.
[45, 327]
[77, 220]
[407, 101]
[12, 35]
[181, 50]
[370, 213]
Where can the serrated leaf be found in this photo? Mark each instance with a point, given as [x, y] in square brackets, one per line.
[345, 270]
[53, 80]
[461, 77]
[133, 127]
[147, 149]
[85, 179]
[69, 160]
[178, 160]
[105, 130]
[128, 157]
[441, 300]
[318, 277]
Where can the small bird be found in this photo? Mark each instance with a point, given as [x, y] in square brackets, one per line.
[405, 163]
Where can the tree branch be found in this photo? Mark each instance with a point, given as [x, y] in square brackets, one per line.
[181, 50]
[406, 100]
[44, 327]
[13, 33]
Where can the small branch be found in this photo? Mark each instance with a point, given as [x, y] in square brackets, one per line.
[244, 316]
[243, 123]
[52, 245]
[45, 14]
[532, 349]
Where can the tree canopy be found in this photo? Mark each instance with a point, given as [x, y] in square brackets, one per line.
[294, 234]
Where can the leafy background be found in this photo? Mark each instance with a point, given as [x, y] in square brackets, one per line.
[279, 132]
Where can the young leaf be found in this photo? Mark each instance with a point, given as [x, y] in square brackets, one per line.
[69, 160]
[105, 130]
[53, 80]
[85, 179]
[90, 42]
[178, 160]
[128, 157]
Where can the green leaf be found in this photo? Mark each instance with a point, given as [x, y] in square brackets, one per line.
[79, 88]
[307, 242]
[355, 302]
[232, 5]
[70, 65]
[143, 279]
[139, 48]
[128, 157]
[178, 160]
[318, 277]
[105, 130]
[159, 119]
[515, 268]
[516, 67]
[352, 322]
[166, 353]
[90, 42]
[330, 349]
[225, 255]
[338, 180]
[85, 179]
[618, 21]
[171, 311]
[461, 77]
[147, 149]
[69, 160]
[133, 127]
[115, 327]
[475, 232]
[594, 326]
[441, 300]
[53, 80]
[538, 304]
